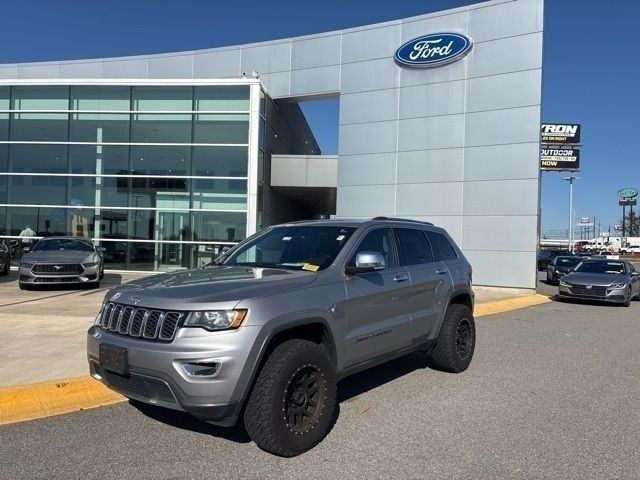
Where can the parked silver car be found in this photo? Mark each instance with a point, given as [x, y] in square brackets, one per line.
[61, 260]
[603, 280]
[265, 333]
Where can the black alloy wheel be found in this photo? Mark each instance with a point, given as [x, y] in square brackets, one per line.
[464, 339]
[302, 402]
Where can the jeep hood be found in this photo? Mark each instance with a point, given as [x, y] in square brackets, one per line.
[195, 289]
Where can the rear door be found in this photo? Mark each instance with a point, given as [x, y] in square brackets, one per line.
[430, 282]
[378, 303]
[447, 256]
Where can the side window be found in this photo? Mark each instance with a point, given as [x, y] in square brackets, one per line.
[414, 247]
[381, 241]
[442, 249]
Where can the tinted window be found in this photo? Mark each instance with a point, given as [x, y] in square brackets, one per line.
[63, 244]
[601, 267]
[298, 248]
[414, 248]
[567, 261]
[380, 241]
[442, 249]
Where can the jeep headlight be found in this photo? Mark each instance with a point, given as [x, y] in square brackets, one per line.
[215, 319]
[619, 285]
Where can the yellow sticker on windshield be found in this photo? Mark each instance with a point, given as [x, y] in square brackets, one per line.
[310, 268]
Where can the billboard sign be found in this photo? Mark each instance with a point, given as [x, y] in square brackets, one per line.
[559, 159]
[628, 193]
[585, 220]
[433, 50]
[617, 228]
[560, 133]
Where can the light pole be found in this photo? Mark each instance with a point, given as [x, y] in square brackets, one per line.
[570, 179]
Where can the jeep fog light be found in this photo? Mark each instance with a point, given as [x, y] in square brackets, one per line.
[216, 319]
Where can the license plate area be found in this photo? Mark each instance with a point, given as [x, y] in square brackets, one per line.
[114, 359]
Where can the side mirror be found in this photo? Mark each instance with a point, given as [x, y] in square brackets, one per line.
[27, 248]
[101, 249]
[367, 262]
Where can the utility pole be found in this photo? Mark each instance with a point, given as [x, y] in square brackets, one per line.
[570, 179]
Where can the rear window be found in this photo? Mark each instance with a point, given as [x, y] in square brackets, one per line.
[414, 248]
[442, 248]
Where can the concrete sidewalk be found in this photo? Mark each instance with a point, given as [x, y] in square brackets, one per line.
[44, 332]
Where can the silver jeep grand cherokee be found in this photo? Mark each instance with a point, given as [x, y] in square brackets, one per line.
[266, 331]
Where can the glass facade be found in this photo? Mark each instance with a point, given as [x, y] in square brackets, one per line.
[158, 175]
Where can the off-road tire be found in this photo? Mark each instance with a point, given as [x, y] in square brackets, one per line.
[265, 416]
[24, 286]
[446, 354]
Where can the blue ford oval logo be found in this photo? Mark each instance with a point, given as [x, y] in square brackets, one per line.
[433, 50]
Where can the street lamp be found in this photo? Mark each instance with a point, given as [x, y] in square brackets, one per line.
[570, 179]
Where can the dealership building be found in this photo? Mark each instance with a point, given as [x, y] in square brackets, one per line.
[165, 159]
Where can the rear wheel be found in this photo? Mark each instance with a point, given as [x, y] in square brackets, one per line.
[293, 403]
[456, 342]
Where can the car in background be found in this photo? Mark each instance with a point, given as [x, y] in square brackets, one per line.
[630, 250]
[561, 266]
[5, 259]
[61, 260]
[546, 256]
[613, 281]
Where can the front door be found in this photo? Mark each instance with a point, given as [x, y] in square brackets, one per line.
[378, 303]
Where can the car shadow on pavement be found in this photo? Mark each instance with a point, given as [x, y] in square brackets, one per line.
[186, 421]
[348, 389]
[367, 380]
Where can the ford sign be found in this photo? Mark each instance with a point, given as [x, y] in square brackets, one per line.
[433, 50]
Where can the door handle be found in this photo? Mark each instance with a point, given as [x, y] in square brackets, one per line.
[400, 278]
[442, 271]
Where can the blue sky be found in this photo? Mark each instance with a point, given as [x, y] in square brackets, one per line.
[588, 75]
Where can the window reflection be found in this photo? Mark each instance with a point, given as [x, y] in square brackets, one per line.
[160, 160]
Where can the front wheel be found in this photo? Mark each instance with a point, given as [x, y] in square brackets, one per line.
[457, 340]
[5, 270]
[293, 403]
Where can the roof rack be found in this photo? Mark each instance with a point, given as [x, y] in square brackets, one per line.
[394, 219]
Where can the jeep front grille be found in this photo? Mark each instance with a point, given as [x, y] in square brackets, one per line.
[146, 323]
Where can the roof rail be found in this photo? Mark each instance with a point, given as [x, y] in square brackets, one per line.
[394, 219]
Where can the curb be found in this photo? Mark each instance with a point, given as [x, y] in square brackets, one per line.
[30, 402]
[501, 306]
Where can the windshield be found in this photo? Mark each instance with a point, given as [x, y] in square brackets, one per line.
[63, 245]
[601, 267]
[310, 248]
[567, 261]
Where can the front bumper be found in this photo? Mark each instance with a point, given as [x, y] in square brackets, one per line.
[157, 372]
[598, 294]
[28, 275]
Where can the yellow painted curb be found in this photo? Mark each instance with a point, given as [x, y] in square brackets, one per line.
[500, 306]
[28, 402]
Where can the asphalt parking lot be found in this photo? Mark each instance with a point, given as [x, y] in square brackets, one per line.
[552, 393]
